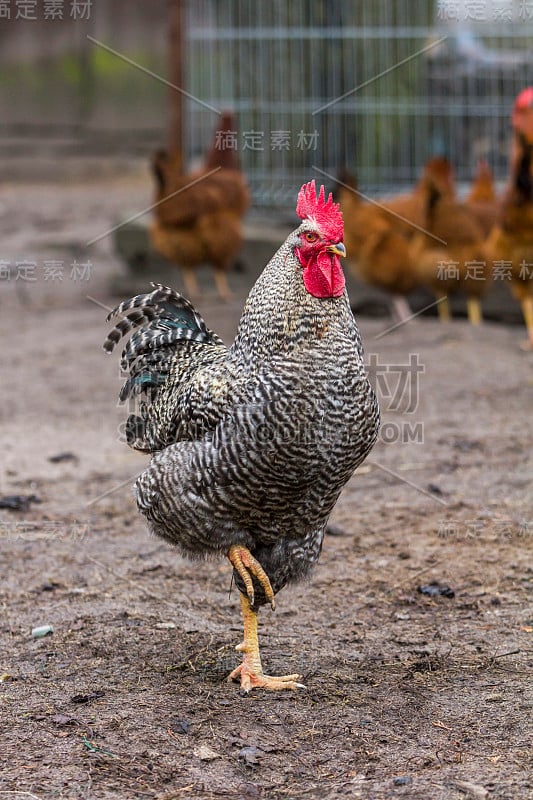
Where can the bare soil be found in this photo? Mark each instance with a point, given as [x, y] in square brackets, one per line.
[408, 695]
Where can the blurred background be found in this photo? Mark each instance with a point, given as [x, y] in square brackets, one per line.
[90, 90]
[379, 87]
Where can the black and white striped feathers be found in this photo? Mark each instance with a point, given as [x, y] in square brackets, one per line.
[250, 444]
[164, 327]
[165, 318]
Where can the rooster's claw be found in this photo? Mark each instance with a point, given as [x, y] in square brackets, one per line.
[246, 565]
[258, 680]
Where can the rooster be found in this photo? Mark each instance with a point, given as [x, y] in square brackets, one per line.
[251, 445]
[198, 216]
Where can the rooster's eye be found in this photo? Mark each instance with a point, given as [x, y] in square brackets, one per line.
[310, 236]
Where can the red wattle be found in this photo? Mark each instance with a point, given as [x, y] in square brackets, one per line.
[323, 276]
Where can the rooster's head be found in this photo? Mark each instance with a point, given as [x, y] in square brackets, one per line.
[318, 242]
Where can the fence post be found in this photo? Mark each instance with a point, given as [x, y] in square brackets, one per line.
[176, 58]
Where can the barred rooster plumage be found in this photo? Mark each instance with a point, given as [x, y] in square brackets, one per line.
[252, 444]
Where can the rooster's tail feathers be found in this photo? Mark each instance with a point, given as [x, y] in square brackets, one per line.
[161, 302]
[162, 321]
[161, 318]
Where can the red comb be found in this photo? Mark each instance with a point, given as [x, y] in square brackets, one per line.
[523, 102]
[324, 212]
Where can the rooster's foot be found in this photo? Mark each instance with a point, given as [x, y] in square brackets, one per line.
[250, 672]
[246, 565]
[250, 679]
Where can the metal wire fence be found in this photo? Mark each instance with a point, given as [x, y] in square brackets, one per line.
[377, 87]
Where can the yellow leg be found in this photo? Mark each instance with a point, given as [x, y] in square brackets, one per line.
[443, 308]
[474, 311]
[221, 281]
[250, 672]
[527, 311]
[191, 284]
[246, 565]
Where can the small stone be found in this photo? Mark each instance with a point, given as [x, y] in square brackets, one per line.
[42, 630]
[64, 719]
[66, 456]
[18, 502]
[249, 791]
[335, 530]
[250, 755]
[50, 586]
[402, 780]
[473, 790]
[205, 753]
[86, 698]
[180, 726]
[435, 589]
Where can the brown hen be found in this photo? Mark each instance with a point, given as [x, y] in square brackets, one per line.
[481, 199]
[451, 254]
[198, 216]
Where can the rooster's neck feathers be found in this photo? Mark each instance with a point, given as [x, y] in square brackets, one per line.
[280, 315]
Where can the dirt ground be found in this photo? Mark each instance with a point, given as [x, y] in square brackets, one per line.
[408, 695]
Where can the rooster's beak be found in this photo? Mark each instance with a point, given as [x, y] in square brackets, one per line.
[339, 249]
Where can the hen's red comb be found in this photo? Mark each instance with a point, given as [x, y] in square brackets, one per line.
[324, 212]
